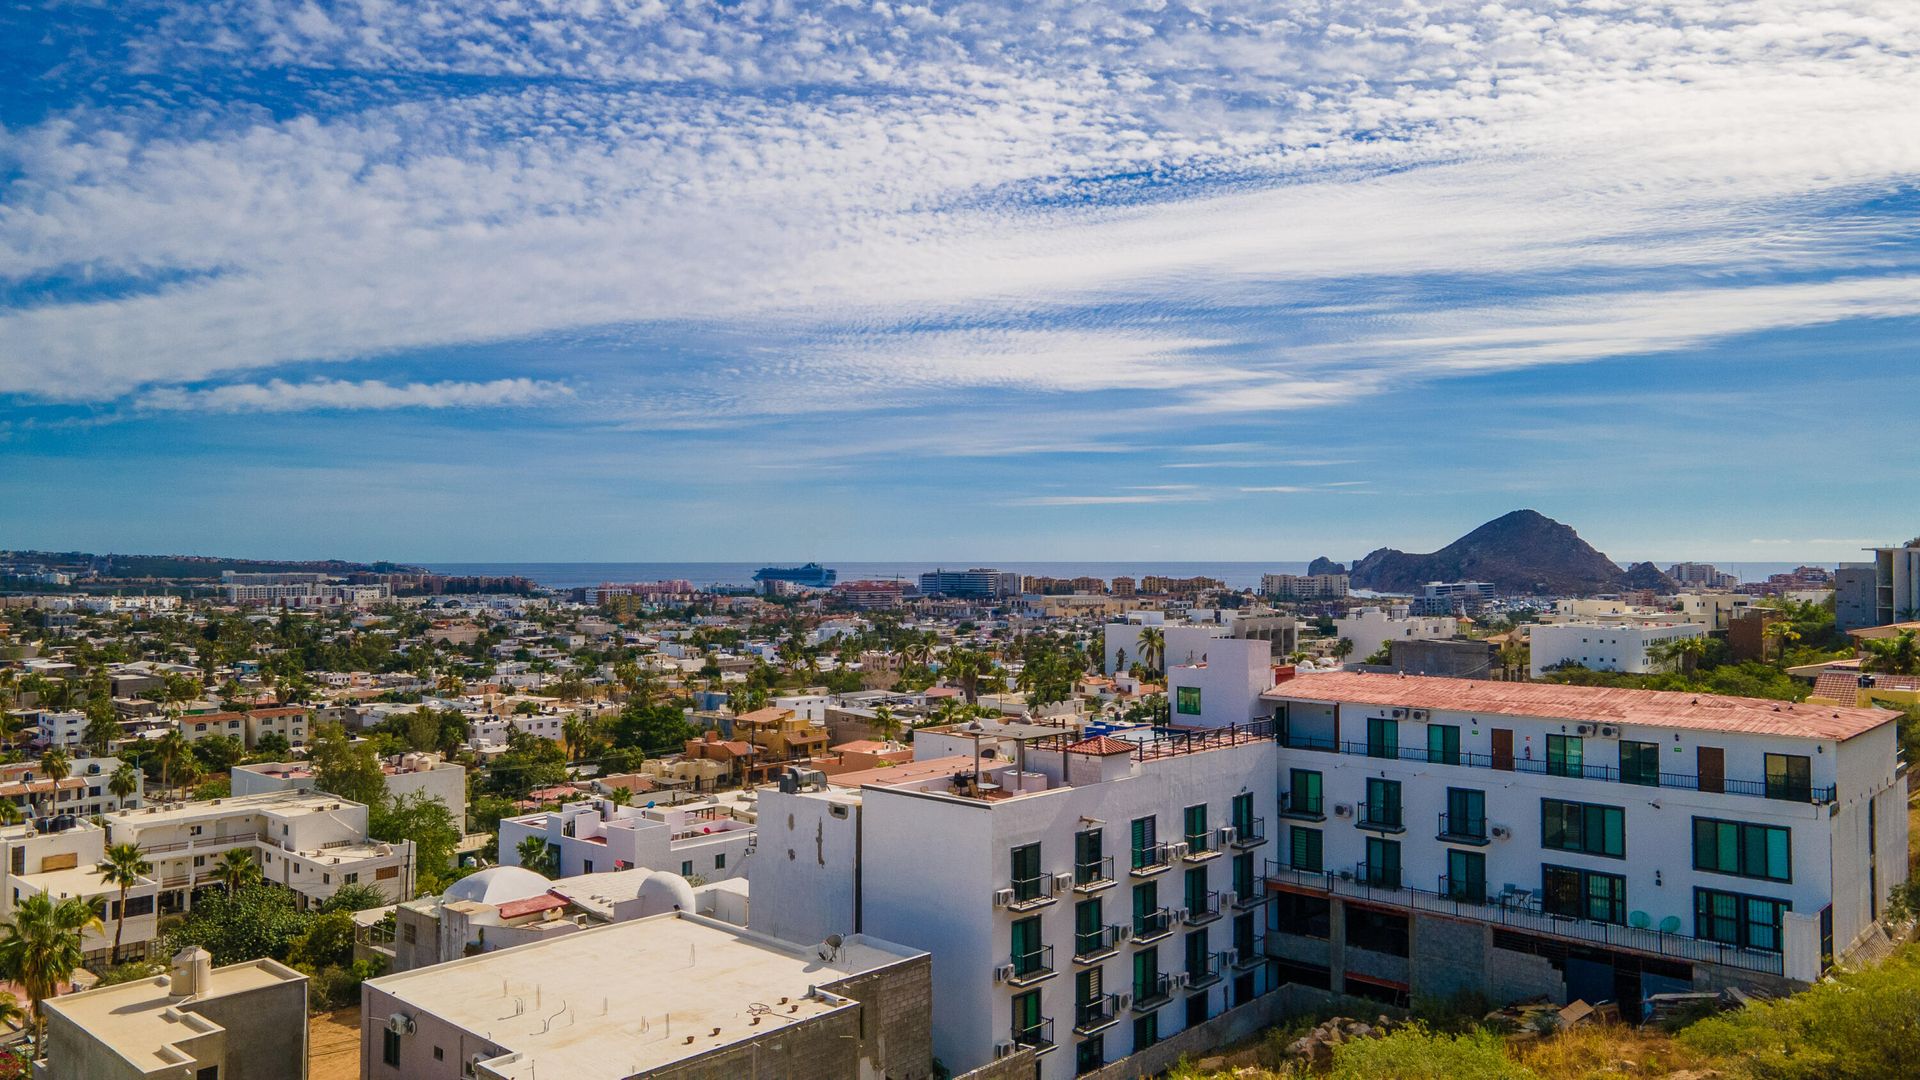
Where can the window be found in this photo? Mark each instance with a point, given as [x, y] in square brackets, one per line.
[1090, 1054]
[1467, 876]
[1243, 880]
[1741, 849]
[1583, 827]
[439, 1053]
[1563, 755]
[1026, 872]
[1147, 919]
[720, 861]
[1027, 954]
[1144, 843]
[1027, 1025]
[1789, 776]
[1584, 894]
[1243, 815]
[1377, 931]
[1307, 916]
[1466, 814]
[1196, 832]
[1089, 930]
[1187, 700]
[409, 933]
[1383, 803]
[1195, 893]
[352, 878]
[1640, 763]
[1383, 737]
[1443, 744]
[1751, 922]
[686, 868]
[1198, 960]
[138, 906]
[1087, 866]
[1146, 1031]
[1382, 867]
[1303, 793]
[1304, 850]
[208, 1072]
[1146, 974]
[390, 1048]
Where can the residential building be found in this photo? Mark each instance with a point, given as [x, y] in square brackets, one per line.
[310, 842]
[244, 1021]
[83, 792]
[65, 729]
[1185, 641]
[1453, 597]
[1303, 586]
[1081, 897]
[293, 723]
[1607, 646]
[780, 734]
[1856, 600]
[1453, 658]
[1896, 583]
[737, 1004]
[870, 595]
[982, 583]
[406, 774]
[1223, 686]
[1702, 575]
[708, 839]
[60, 857]
[1371, 627]
[1587, 842]
[1713, 610]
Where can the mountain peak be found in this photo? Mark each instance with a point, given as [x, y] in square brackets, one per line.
[1524, 551]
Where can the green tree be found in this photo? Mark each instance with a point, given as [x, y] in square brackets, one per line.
[42, 945]
[655, 729]
[427, 822]
[1415, 1053]
[171, 751]
[257, 921]
[1153, 648]
[272, 746]
[536, 855]
[1859, 1024]
[1896, 655]
[123, 783]
[123, 869]
[218, 753]
[326, 942]
[1343, 648]
[345, 767]
[236, 870]
[1781, 633]
[55, 765]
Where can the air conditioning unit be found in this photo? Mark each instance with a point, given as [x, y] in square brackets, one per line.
[1583, 729]
[400, 1024]
[1501, 832]
[1003, 973]
[1123, 932]
[1420, 714]
[1229, 898]
[1002, 897]
[1398, 713]
[1226, 834]
[1122, 1001]
[1178, 914]
[1342, 810]
[1609, 732]
[1177, 980]
[1062, 882]
[1004, 1049]
[1177, 851]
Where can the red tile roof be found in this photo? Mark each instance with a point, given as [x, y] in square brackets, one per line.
[544, 902]
[1845, 685]
[1650, 708]
[1102, 746]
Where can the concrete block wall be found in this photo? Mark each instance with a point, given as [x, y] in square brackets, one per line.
[1449, 957]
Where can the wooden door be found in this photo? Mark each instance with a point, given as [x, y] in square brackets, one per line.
[1503, 748]
[1713, 768]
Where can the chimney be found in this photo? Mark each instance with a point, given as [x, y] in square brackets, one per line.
[1283, 672]
[192, 972]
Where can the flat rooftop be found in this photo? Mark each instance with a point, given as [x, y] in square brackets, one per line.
[288, 803]
[1599, 704]
[583, 1015]
[139, 1021]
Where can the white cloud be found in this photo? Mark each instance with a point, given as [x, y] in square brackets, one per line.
[280, 396]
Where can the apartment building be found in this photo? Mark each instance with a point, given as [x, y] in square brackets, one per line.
[83, 792]
[1222, 686]
[1303, 586]
[244, 1021]
[780, 734]
[1370, 628]
[1447, 835]
[1896, 584]
[406, 774]
[310, 842]
[1604, 646]
[708, 839]
[293, 723]
[721, 1002]
[1085, 897]
[63, 729]
[60, 857]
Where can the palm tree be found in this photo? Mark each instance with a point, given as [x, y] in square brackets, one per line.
[56, 766]
[1153, 648]
[11, 1014]
[236, 870]
[966, 668]
[171, 749]
[41, 946]
[1343, 649]
[884, 722]
[620, 796]
[9, 813]
[123, 869]
[1897, 655]
[1781, 632]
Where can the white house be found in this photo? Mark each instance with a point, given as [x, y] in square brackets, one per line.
[405, 774]
[1604, 646]
[707, 840]
[60, 858]
[1370, 628]
[1222, 686]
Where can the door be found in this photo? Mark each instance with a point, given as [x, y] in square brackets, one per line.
[1503, 748]
[1713, 768]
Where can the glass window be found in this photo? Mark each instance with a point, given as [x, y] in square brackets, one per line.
[1195, 894]
[1383, 802]
[1146, 1031]
[1743, 849]
[1146, 973]
[1583, 827]
[1089, 929]
[1243, 883]
[1243, 813]
[1026, 872]
[1751, 922]
[1187, 700]
[1443, 744]
[1564, 755]
[1144, 832]
[1303, 850]
[1383, 737]
[1467, 876]
[1466, 813]
[1090, 1053]
[1026, 1016]
[390, 1048]
[1196, 832]
[1640, 763]
[1303, 792]
[1027, 955]
[1086, 857]
[1789, 776]
[1383, 863]
[1197, 965]
[1584, 894]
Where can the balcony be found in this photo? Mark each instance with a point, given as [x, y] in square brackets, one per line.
[1464, 890]
[1302, 806]
[1212, 967]
[1524, 914]
[1031, 967]
[1381, 877]
[1252, 953]
[1250, 833]
[1038, 1036]
[1202, 908]
[1095, 945]
[1151, 860]
[1462, 829]
[1094, 875]
[1200, 847]
[1380, 818]
[1538, 766]
[1153, 994]
[1031, 893]
[1151, 926]
[1096, 1015]
[1252, 896]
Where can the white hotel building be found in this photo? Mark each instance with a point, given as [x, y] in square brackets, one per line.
[708, 839]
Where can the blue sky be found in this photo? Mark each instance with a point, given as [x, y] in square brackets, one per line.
[620, 279]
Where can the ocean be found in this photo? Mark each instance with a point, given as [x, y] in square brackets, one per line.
[1238, 575]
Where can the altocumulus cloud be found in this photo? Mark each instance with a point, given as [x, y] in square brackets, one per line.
[280, 396]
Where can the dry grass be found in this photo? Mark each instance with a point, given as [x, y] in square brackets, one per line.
[333, 1045]
[1605, 1052]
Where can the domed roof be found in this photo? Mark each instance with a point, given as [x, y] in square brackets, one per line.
[663, 892]
[498, 885]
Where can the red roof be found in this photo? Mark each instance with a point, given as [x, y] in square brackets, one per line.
[1101, 745]
[1650, 708]
[1845, 685]
[544, 902]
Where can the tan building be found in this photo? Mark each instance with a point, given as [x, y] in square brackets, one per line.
[781, 734]
[240, 1022]
[293, 723]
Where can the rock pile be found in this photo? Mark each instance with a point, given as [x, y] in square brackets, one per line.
[1316, 1046]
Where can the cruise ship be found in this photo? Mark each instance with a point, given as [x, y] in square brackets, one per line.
[812, 575]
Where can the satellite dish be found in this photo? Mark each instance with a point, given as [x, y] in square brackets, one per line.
[830, 948]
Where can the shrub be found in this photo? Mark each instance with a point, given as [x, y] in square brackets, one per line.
[1863, 1025]
[1416, 1053]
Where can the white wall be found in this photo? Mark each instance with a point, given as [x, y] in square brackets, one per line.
[1370, 628]
[1600, 647]
[1235, 673]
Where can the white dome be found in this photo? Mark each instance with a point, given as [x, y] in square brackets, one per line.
[499, 885]
[662, 892]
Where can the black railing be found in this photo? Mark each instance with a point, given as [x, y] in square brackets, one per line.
[1251, 832]
[1382, 818]
[1465, 890]
[1200, 845]
[1302, 805]
[1608, 773]
[1038, 1035]
[1094, 873]
[1151, 859]
[1249, 953]
[1093, 944]
[1032, 891]
[1152, 925]
[1207, 972]
[1463, 828]
[1202, 907]
[1033, 964]
[1091, 1016]
[1380, 877]
[1154, 991]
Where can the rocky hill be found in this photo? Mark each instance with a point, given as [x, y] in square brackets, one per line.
[1521, 552]
[1645, 575]
[1324, 565]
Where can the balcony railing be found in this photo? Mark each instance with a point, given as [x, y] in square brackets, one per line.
[1032, 892]
[1247, 954]
[1203, 907]
[1038, 1035]
[204, 843]
[1303, 806]
[1152, 993]
[1538, 766]
[1462, 828]
[1032, 966]
[1465, 890]
[1152, 925]
[1093, 875]
[1211, 967]
[1096, 1015]
[1525, 915]
[1150, 859]
[1386, 877]
[1250, 833]
[1388, 818]
[1200, 846]
[1091, 945]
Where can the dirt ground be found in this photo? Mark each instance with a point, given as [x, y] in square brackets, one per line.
[333, 1045]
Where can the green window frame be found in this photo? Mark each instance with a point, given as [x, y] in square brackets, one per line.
[1087, 845]
[1305, 850]
[1090, 1053]
[1749, 922]
[1026, 1013]
[1789, 776]
[1145, 835]
[1443, 744]
[1467, 876]
[1565, 756]
[1026, 872]
[1146, 972]
[1196, 828]
[1383, 737]
[1588, 828]
[1187, 700]
[1089, 926]
[1466, 813]
[1194, 888]
[1146, 1031]
[1242, 813]
[1304, 794]
[1383, 803]
[1383, 863]
[1146, 900]
[1640, 763]
[1243, 883]
[1584, 894]
[1027, 952]
[1743, 849]
[1196, 948]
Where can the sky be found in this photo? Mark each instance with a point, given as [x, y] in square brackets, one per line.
[627, 279]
